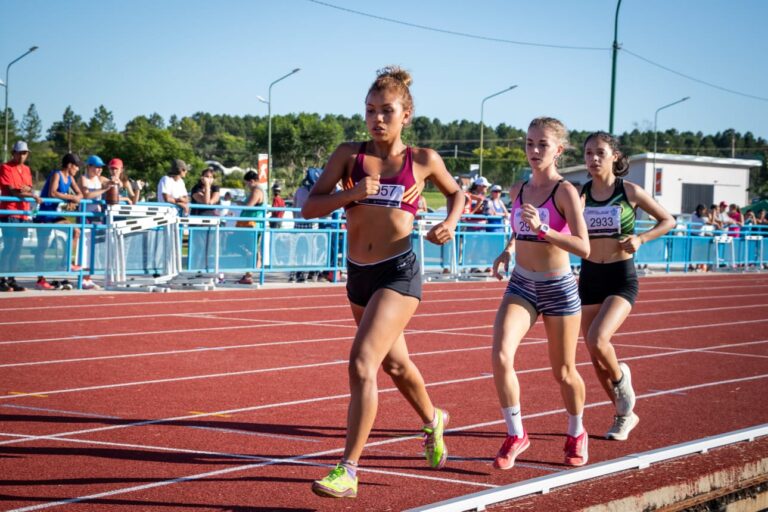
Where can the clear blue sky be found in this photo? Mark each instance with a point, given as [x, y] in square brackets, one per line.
[182, 56]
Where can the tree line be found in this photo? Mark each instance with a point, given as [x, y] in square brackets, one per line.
[148, 144]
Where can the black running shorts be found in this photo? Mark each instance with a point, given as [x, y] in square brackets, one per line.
[598, 281]
[401, 274]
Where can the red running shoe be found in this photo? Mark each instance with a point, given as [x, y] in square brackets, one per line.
[576, 453]
[512, 447]
[42, 284]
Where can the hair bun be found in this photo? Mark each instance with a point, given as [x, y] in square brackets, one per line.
[396, 73]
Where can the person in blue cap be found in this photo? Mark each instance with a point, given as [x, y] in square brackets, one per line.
[93, 185]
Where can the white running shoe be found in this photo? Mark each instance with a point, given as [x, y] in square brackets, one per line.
[622, 426]
[625, 395]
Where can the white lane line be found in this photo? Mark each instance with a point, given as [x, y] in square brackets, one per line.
[340, 450]
[326, 398]
[489, 286]
[204, 314]
[331, 322]
[265, 370]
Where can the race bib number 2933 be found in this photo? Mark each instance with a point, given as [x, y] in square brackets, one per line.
[603, 220]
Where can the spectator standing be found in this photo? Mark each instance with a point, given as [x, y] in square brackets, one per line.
[722, 215]
[205, 192]
[477, 194]
[737, 220]
[255, 202]
[128, 190]
[277, 202]
[172, 189]
[701, 220]
[494, 209]
[299, 198]
[714, 217]
[93, 185]
[60, 184]
[761, 217]
[15, 180]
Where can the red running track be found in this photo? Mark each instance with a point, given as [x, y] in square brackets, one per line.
[236, 400]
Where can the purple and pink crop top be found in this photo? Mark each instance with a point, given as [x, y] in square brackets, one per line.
[400, 191]
[548, 213]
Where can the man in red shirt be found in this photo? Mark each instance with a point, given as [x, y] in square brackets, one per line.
[16, 181]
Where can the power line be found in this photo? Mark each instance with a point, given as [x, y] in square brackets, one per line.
[455, 33]
[703, 82]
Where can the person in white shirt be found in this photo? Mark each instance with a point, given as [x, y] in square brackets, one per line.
[700, 219]
[171, 188]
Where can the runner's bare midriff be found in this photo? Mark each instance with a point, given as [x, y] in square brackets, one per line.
[606, 250]
[540, 257]
[376, 233]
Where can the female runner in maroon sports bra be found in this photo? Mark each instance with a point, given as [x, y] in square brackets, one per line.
[382, 180]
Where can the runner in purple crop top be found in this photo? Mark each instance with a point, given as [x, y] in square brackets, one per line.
[548, 210]
[382, 180]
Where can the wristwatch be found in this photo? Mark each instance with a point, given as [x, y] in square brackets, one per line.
[543, 230]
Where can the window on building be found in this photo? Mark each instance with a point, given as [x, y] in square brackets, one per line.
[694, 194]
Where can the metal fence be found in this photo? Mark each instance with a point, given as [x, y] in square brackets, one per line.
[252, 239]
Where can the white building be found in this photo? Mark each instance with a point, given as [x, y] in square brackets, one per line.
[683, 181]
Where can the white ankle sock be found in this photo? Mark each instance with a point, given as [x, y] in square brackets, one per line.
[575, 425]
[514, 420]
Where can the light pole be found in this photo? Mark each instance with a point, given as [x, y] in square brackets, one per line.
[613, 65]
[656, 137]
[482, 108]
[269, 120]
[7, 70]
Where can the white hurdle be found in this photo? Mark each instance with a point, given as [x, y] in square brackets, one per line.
[123, 219]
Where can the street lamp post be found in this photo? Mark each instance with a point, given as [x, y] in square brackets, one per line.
[269, 120]
[7, 70]
[482, 109]
[656, 138]
[613, 65]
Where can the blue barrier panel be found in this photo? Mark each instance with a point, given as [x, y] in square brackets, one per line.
[653, 252]
[480, 248]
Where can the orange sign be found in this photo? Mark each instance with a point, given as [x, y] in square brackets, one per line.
[657, 185]
[263, 168]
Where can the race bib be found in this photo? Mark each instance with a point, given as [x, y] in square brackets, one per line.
[603, 220]
[521, 228]
[389, 195]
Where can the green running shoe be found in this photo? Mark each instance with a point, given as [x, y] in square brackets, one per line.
[434, 446]
[338, 484]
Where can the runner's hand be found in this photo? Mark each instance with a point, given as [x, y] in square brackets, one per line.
[630, 244]
[441, 233]
[501, 260]
[368, 186]
[530, 216]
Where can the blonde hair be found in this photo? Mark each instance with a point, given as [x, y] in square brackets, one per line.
[394, 78]
[554, 125]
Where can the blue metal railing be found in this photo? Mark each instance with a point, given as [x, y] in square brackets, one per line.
[252, 239]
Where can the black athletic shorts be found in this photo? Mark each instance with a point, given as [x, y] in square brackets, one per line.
[401, 274]
[598, 281]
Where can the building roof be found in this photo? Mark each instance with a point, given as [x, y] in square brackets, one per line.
[684, 159]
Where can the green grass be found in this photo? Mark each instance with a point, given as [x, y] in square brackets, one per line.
[435, 199]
